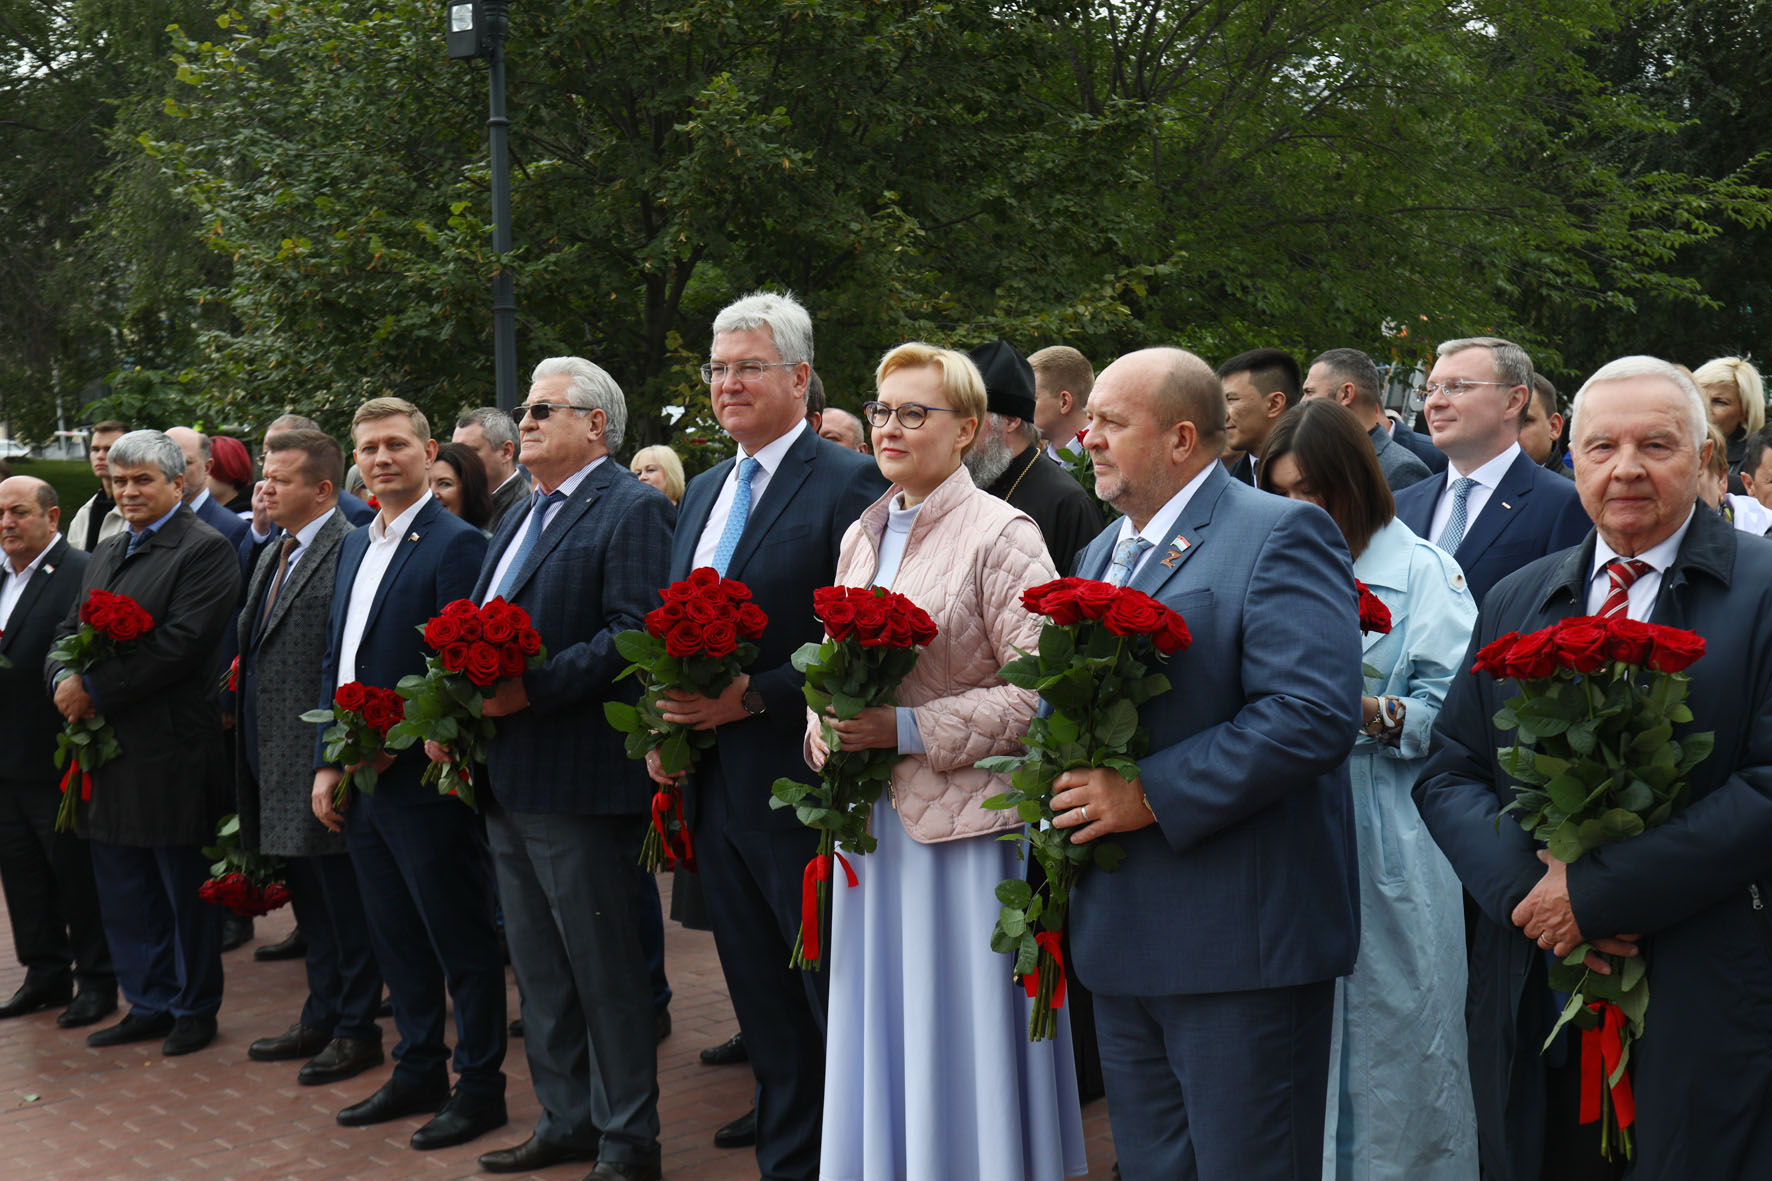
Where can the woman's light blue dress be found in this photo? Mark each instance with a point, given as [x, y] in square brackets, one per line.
[929, 1075]
[1399, 1082]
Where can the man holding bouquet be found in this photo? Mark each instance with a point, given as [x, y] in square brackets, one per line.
[1689, 894]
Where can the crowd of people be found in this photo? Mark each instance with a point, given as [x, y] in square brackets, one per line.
[1324, 954]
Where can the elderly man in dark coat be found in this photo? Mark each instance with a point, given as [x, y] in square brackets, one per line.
[1693, 889]
[282, 643]
[154, 807]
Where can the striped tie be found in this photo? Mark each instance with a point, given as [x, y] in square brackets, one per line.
[1457, 522]
[1622, 573]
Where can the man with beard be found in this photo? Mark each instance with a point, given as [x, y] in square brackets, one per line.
[1006, 461]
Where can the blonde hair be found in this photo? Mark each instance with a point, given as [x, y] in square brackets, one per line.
[1718, 464]
[377, 408]
[961, 381]
[668, 463]
[1744, 379]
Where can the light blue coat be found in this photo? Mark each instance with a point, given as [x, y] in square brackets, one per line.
[1399, 1085]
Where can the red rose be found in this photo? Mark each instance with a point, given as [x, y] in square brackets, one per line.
[700, 611]
[1133, 613]
[894, 633]
[1094, 599]
[124, 626]
[824, 596]
[99, 616]
[442, 631]
[511, 663]
[1492, 657]
[1533, 657]
[1374, 615]
[677, 592]
[870, 617]
[923, 628]
[97, 600]
[351, 696]
[461, 609]
[1675, 649]
[720, 638]
[1583, 644]
[499, 630]
[703, 576]
[735, 591]
[472, 631]
[657, 623]
[1631, 640]
[482, 664]
[1174, 635]
[454, 658]
[528, 641]
[684, 640]
[751, 621]
[1034, 597]
[839, 619]
[1062, 608]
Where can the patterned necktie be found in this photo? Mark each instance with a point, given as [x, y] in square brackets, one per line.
[1622, 573]
[538, 517]
[1126, 556]
[1456, 523]
[735, 520]
[136, 537]
[289, 547]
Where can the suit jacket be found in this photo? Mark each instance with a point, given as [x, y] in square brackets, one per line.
[1422, 446]
[594, 571]
[1531, 513]
[509, 495]
[788, 549]
[355, 511]
[1400, 465]
[1247, 775]
[434, 564]
[1704, 1063]
[223, 521]
[30, 721]
[168, 786]
[280, 665]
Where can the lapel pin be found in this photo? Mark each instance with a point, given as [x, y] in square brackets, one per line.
[1506, 505]
[49, 569]
[1177, 546]
[412, 537]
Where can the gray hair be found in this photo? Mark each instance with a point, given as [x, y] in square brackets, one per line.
[149, 448]
[291, 422]
[1697, 420]
[590, 389]
[788, 322]
[494, 423]
[1512, 365]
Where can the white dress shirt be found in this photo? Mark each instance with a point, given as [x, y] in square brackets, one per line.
[304, 537]
[1156, 530]
[1642, 592]
[1488, 479]
[12, 587]
[569, 485]
[383, 541]
[769, 457]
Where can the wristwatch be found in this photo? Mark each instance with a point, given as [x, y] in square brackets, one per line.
[752, 701]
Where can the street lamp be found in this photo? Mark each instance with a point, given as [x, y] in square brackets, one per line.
[477, 30]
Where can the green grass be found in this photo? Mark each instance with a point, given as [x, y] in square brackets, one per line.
[72, 480]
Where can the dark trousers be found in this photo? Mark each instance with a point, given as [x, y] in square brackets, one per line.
[1219, 1085]
[426, 879]
[344, 981]
[751, 881]
[573, 896]
[51, 897]
[165, 941]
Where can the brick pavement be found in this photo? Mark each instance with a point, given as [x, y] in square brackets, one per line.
[69, 1112]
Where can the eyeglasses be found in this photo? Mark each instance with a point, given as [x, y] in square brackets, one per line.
[911, 415]
[744, 370]
[1458, 387]
[539, 410]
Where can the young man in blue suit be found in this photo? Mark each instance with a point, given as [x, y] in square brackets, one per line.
[1495, 509]
[421, 858]
[585, 557]
[1215, 1026]
[773, 518]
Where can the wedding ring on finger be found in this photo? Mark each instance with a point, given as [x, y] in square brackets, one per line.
[1084, 812]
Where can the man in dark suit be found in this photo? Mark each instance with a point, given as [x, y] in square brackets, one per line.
[262, 530]
[489, 433]
[773, 518]
[1693, 888]
[1259, 386]
[1215, 1031]
[50, 895]
[1496, 509]
[586, 561]
[1407, 437]
[154, 807]
[282, 645]
[421, 858]
[1541, 434]
[195, 446]
[1349, 377]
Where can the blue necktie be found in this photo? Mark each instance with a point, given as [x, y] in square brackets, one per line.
[1457, 522]
[741, 512]
[135, 541]
[538, 516]
[1126, 556]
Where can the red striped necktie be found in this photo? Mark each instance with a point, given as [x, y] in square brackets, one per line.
[1622, 572]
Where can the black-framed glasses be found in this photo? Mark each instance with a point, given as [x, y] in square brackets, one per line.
[911, 415]
[714, 371]
[540, 410]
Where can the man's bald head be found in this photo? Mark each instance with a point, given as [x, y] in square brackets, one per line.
[30, 514]
[1156, 419]
[195, 445]
[843, 429]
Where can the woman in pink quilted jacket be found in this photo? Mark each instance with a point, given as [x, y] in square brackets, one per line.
[928, 1071]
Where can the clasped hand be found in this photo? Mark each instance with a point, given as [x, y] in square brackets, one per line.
[1098, 801]
[1547, 918]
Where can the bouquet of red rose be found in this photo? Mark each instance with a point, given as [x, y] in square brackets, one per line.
[1093, 669]
[872, 638]
[697, 642]
[1596, 761]
[240, 881]
[476, 648]
[1076, 461]
[360, 717]
[109, 623]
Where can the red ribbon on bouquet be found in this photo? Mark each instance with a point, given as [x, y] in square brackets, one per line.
[85, 779]
[1031, 980]
[817, 870]
[667, 806]
[1600, 1052]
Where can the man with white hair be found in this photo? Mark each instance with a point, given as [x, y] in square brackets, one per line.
[1691, 888]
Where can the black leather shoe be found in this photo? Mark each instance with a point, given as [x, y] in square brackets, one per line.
[132, 1028]
[396, 1100]
[236, 932]
[90, 1006]
[740, 1133]
[663, 1023]
[340, 1059]
[189, 1034]
[728, 1053]
[462, 1119]
[622, 1170]
[298, 1041]
[292, 948]
[34, 996]
[533, 1154]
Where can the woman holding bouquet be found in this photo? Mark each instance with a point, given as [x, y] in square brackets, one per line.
[1399, 1088]
[928, 1069]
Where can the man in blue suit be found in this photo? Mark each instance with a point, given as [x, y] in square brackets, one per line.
[421, 858]
[585, 557]
[195, 445]
[1215, 1027]
[773, 518]
[1495, 509]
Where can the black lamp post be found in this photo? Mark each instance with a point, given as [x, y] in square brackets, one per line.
[477, 30]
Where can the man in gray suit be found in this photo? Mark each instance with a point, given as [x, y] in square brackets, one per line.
[282, 641]
[489, 433]
[1348, 376]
